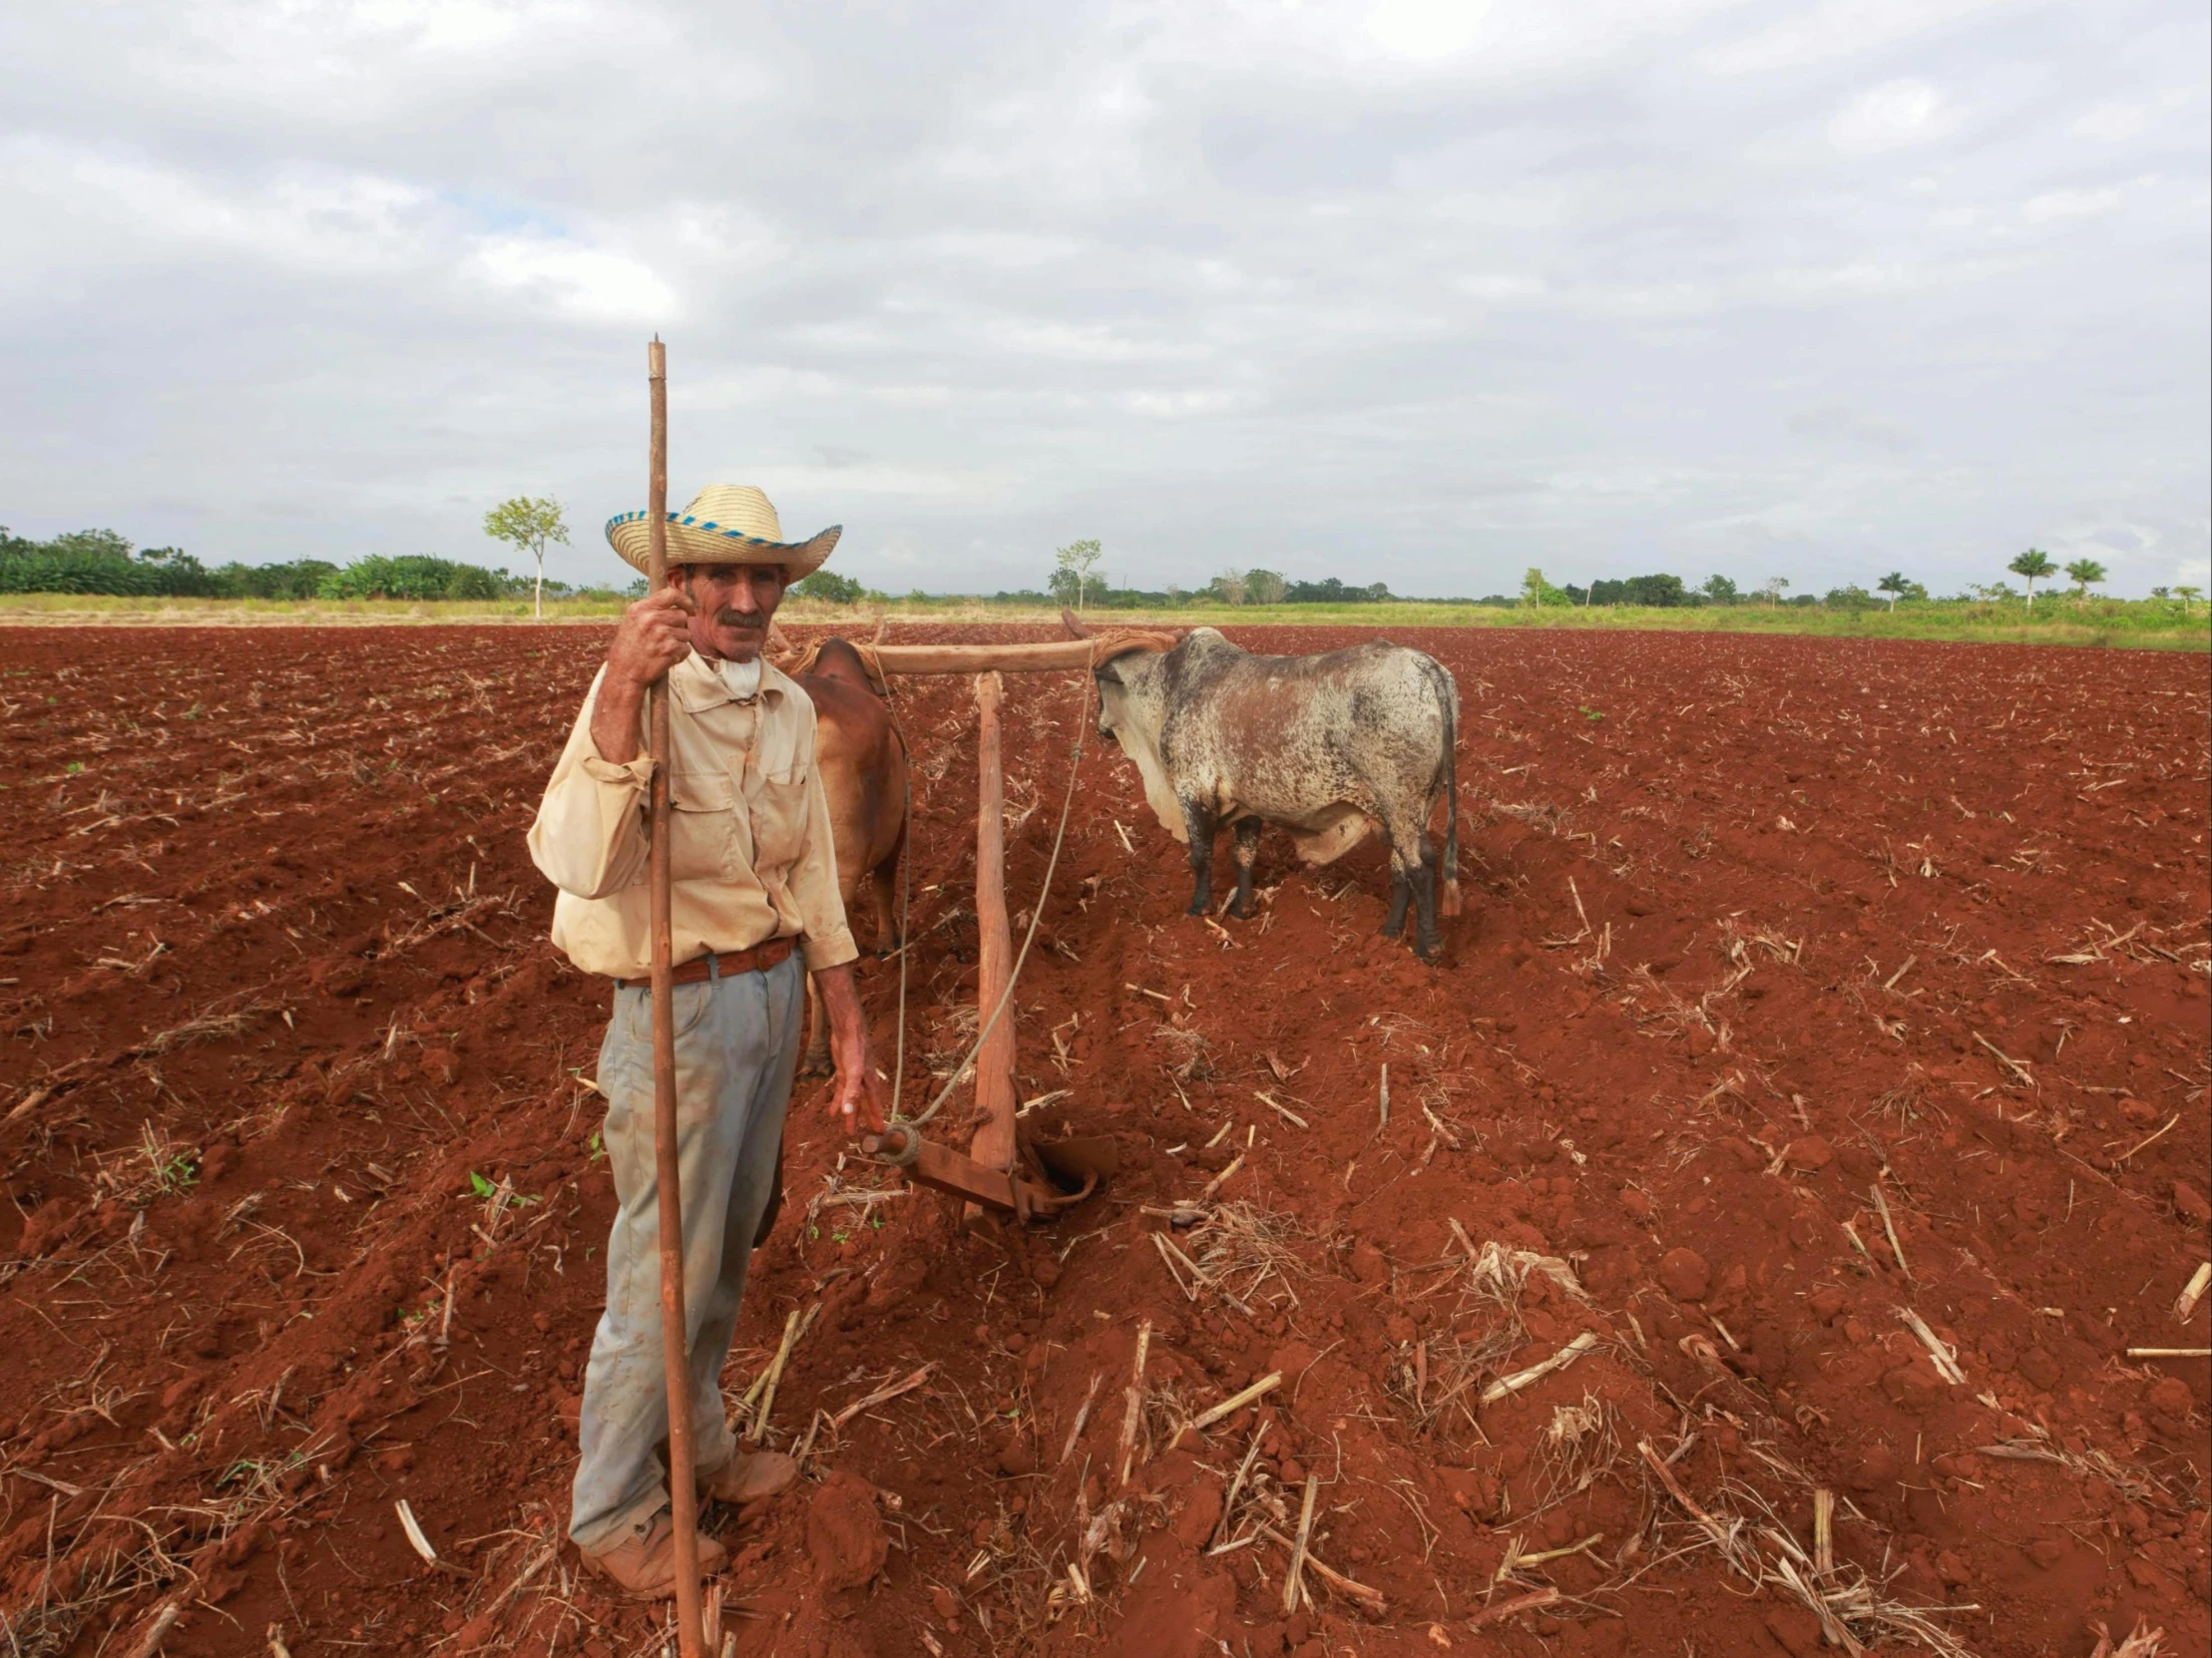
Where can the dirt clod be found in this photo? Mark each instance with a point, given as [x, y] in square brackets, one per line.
[844, 1533]
[1685, 1274]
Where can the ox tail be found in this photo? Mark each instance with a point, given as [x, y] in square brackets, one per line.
[1448, 693]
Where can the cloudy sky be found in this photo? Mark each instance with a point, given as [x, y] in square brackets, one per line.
[1416, 293]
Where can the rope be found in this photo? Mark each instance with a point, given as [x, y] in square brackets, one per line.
[1037, 913]
[906, 885]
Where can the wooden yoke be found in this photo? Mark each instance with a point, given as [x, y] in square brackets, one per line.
[992, 1145]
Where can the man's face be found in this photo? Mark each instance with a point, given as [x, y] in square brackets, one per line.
[734, 606]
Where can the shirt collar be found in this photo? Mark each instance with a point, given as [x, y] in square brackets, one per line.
[699, 685]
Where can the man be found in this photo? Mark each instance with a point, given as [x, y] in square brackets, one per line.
[753, 870]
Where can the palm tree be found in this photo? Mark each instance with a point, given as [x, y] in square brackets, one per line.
[2188, 597]
[1895, 585]
[2033, 565]
[2084, 574]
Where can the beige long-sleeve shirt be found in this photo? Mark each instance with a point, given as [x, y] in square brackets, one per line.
[749, 849]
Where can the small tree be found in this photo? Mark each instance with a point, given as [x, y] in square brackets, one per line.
[2033, 565]
[1719, 589]
[1772, 587]
[1228, 586]
[1535, 590]
[1072, 567]
[2188, 597]
[527, 524]
[828, 584]
[1264, 586]
[2084, 574]
[1895, 585]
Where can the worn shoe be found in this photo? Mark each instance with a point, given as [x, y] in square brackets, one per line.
[749, 1476]
[643, 1566]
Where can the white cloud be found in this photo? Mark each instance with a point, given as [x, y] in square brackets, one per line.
[1427, 29]
[1831, 32]
[593, 284]
[2069, 203]
[1892, 116]
[2109, 123]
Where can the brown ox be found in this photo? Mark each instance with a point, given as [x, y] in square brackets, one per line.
[863, 770]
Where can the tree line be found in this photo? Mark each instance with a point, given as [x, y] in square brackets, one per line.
[103, 562]
[1666, 591]
[1077, 581]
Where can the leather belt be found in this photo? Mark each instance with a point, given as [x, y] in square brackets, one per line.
[758, 959]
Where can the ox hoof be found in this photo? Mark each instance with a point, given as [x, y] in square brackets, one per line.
[812, 1066]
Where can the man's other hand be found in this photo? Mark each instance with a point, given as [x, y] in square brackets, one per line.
[856, 1095]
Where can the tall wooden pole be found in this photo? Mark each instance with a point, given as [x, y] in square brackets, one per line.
[992, 1145]
[676, 1354]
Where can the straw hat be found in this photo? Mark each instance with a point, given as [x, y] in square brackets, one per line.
[725, 524]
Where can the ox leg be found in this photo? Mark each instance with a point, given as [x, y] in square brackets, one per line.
[1247, 854]
[1201, 823]
[817, 1062]
[1422, 877]
[1394, 923]
[883, 883]
[1413, 865]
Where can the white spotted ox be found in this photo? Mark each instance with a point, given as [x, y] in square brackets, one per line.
[1329, 747]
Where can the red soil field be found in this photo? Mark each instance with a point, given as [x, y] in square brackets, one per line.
[1803, 984]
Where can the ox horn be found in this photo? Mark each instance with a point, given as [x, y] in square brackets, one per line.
[1075, 627]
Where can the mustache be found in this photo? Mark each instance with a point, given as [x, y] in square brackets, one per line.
[743, 620]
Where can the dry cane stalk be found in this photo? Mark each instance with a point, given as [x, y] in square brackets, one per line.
[2014, 1066]
[1514, 1608]
[1713, 1528]
[1298, 1548]
[1134, 1397]
[1947, 1363]
[883, 1396]
[1221, 1180]
[158, 1631]
[1824, 1531]
[1890, 1226]
[2186, 1301]
[1236, 1402]
[764, 1385]
[1371, 1598]
[1513, 1384]
[1236, 1487]
[1589, 1542]
[1083, 1415]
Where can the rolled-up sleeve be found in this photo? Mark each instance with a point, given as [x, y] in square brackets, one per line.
[589, 838]
[813, 886]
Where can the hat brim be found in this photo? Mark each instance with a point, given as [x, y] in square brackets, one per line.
[692, 541]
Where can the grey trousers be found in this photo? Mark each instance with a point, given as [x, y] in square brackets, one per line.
[736, 1043]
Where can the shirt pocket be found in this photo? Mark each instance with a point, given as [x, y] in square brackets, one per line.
[776, 803]
[704, 836]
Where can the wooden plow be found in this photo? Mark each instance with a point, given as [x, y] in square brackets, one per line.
[999, 1171]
